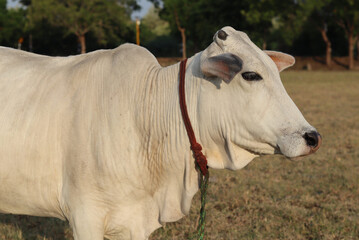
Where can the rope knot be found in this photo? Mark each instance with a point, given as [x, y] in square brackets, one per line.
[196, 147]
[200, 158]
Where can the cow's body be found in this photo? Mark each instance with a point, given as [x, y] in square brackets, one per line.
[77, 137]
[98, 139]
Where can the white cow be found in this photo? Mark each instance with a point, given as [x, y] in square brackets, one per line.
[98, 139]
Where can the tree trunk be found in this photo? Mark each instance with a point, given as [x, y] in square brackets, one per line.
[183, 35]
[328, 51]
[264, 45]
[357, 49]
[351, 50]
[82, 41]
[349, 27]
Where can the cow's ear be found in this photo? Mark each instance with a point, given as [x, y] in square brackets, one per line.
[282, 60]
[224, 66]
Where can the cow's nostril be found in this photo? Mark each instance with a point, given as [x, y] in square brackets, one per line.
[312, 139]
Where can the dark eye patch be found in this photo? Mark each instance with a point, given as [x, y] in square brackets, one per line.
[251, 76]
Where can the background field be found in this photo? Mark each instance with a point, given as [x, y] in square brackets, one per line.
[272, 198]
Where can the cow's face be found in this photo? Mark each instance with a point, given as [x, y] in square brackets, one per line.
[250, 112]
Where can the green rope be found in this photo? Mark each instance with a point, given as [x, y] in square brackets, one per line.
[202, 215]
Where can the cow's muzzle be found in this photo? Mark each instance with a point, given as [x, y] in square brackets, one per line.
[313, 140]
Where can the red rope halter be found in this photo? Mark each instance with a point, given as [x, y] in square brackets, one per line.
[196, 147]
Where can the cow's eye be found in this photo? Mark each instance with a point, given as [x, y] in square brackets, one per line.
[251, 76]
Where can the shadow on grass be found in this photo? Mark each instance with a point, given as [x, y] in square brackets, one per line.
[340, 63]
[319, 59]
[34, 228]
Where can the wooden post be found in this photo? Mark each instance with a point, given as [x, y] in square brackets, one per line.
[138, 22]
[21, 40]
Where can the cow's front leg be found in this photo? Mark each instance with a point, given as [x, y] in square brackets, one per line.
[86, 225]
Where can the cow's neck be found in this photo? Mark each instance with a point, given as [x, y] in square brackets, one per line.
[169, 162]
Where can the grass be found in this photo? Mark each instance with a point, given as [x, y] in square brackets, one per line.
[272, 198]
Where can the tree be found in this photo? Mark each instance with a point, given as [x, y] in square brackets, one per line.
[154, 24]
[156, 35]
[2, 14]
[208, 16]
[264, 20]
[199, 20]
[12, 23]
[178, 11]
[320, 14]
[346, 14]
[102, 17]
[260, 16]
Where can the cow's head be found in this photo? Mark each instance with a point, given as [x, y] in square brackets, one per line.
[244, 110]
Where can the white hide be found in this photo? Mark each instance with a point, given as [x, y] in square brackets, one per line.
[98, 139]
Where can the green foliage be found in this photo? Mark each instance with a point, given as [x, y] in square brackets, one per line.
[25, 2]
[346, 14]
[202, 18]
[2, 13]
[318, 16]
[317, 13]
[155, 34]
[152, 21]
[50, 40]
[12, 23]
[209, 16]
[265, 17]
[129, 5]
[281, 25]
[103, 18]
[290, 26]
[263, 20]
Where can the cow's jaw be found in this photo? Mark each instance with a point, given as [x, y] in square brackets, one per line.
[229, 156]
[234, 157]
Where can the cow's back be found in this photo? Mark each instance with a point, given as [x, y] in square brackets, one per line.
[43, 100]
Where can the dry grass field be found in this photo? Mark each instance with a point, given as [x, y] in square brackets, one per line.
[316, 197]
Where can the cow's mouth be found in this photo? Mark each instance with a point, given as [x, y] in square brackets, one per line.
[278, 151]
[297, 146]
[266, 149]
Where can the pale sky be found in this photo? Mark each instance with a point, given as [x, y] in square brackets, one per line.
[145, 5]
[11, 3]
